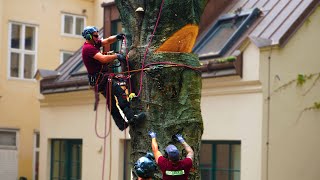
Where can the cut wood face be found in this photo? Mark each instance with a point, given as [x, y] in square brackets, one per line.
[170, 95]
[181, 41]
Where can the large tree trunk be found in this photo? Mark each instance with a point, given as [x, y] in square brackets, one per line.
[170, 95]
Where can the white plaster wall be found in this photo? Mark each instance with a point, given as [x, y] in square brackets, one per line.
[236, 117]
[60, 114]
[293, 142]
[251, 63]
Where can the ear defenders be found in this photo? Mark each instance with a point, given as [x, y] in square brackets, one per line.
[88, 36]
[88, 31]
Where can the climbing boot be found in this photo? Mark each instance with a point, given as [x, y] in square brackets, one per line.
[131, 117]
[136, 119]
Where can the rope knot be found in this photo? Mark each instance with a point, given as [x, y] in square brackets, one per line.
[110, 77]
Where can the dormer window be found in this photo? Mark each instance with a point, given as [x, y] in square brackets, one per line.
[224, 33]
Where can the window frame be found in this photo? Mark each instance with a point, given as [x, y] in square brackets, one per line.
[62, 52]
[36, 149]
[73, 33]
[22, 51]
[214, 155]
[127, 168]
[252, 15]
[68, 155]
[7, 147]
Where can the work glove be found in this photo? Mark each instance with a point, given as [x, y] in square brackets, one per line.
[149, 155]
[120, 36]
[152, 134]
[131, 96]
[180, 138]
[121, 58]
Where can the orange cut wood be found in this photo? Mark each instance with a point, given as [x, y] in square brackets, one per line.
[181, 41]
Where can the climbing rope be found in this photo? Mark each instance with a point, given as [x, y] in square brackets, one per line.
[148, 67]
[107, 115]
[107, 129]
[147, 49]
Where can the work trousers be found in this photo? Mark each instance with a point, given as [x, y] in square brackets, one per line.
[116, 92]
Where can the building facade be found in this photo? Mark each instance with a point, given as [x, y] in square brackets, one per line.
[34, 34]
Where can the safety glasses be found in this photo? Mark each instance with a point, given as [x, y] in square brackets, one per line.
[95, 35]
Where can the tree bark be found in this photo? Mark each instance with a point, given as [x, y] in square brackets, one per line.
[170, 95]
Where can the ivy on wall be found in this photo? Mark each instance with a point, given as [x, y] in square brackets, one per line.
[302, 78]
[300, 81]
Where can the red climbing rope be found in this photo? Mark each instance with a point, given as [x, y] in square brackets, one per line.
[107, 129]
[147, 49]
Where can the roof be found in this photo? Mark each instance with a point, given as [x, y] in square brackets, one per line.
[278, 21]
[280, 18]
[46, 74]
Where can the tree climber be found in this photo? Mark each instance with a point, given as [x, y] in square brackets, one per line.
[145, 167]
[172, 167]
[96, 65]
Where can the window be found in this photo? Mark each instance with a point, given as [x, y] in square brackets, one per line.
[72, 24]
[8, 139]
[9, 153]
[79, 69]
[220, 160]
[22, 50]
[36, 149]
[64, 56]
[66, 159]
[224, 33]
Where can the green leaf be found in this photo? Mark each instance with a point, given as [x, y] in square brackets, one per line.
[301, 79]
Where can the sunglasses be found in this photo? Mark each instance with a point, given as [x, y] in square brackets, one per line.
[95, 35]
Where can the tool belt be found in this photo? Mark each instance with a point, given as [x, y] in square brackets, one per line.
[101, 78]
[92, 78]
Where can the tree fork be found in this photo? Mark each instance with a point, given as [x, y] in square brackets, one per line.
[170, 95]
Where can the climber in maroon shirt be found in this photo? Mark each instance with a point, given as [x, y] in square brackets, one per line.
[173, 168]
[95, 62]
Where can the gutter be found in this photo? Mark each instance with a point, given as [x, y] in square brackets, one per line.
[62, 84]
[208, 69]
